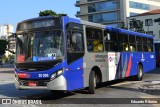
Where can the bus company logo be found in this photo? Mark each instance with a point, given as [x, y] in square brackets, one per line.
[142, 56]
[143, 59]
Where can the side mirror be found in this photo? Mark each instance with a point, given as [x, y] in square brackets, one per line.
[12, 43]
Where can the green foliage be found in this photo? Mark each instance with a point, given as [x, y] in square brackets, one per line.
[47, 13]
[3, 59]
[137, 25]
[123, 26]
[3, 47]
[51, 13]
[10, 58]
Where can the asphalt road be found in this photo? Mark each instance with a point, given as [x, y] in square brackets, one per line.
[120, 91]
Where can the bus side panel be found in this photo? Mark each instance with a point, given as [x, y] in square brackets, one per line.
[123, 65]
[130, 62]
[136, 58]
[114, 65]
[75, 75]
[149, 61]
[98, 60]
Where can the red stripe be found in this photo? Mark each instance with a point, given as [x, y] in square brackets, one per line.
[129, 66]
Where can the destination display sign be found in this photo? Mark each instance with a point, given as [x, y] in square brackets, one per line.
[38, 24]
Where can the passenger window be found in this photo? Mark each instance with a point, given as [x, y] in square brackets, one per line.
[150, 45]
[94, 40]
[124, 43]
[139, 43]
[110, 39]
[125, 47]
[132, 43]
[145, 45]
[75, 42]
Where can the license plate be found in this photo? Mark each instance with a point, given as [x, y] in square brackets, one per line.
[32, 84]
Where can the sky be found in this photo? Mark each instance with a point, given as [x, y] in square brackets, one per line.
[14, 11]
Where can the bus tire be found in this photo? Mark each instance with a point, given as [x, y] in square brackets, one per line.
[92, 82]
[140, 73]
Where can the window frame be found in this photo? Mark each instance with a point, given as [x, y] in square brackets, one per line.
[112, 42]
[147, 22]
[90, 41]
[70, 42]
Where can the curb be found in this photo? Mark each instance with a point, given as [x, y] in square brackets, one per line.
[4, 81]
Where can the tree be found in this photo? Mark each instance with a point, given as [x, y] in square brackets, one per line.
[137, 25]
[51, 13]
[3, 47]
[123, 25]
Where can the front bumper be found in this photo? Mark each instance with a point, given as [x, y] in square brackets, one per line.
[59, 83]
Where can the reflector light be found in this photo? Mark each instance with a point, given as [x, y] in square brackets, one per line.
[22, 75]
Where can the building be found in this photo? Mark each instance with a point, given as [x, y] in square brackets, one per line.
[150, 26]
[5, 31]
[113, 12]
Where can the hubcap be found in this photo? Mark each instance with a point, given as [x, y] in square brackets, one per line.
[140, 72]
[94, 81]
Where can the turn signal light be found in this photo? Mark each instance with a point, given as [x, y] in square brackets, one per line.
[22, 75]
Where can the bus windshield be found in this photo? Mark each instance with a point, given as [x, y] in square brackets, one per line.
[40, 46]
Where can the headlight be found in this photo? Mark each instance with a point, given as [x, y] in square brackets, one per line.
[59, 72]
[53, 76]
[56, 74]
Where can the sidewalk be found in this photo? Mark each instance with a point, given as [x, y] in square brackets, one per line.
[7, 73]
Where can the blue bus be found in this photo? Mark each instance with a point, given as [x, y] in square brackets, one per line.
[63, 53]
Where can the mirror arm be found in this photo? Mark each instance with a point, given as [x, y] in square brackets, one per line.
[11, 51]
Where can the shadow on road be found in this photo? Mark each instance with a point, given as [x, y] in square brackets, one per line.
[137, 89]
[155, 71]
[9, 90]
[105, 84]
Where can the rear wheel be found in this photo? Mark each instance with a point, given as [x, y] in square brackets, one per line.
[92, 82]
[140, 73]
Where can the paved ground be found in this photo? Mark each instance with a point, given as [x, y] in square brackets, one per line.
[6, 73]
[148, 88]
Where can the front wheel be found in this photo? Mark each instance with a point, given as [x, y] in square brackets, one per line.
[140, 73]
[92, 82]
